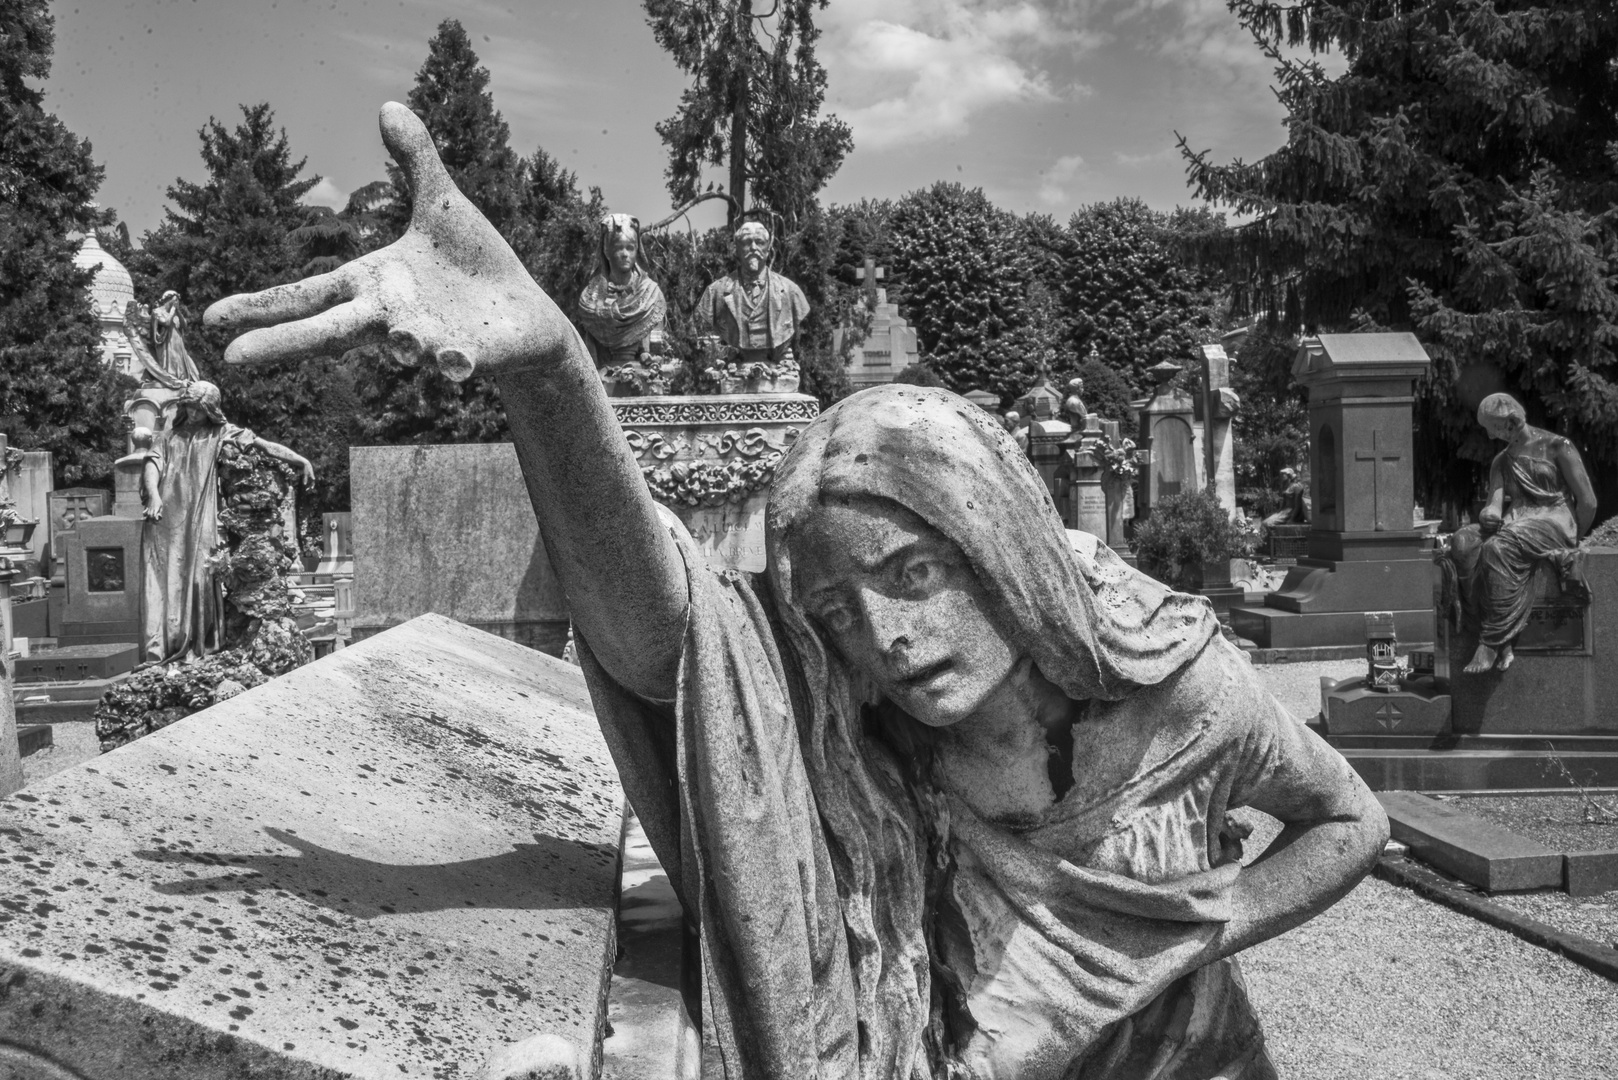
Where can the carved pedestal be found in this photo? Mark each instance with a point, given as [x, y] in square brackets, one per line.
[711, 459]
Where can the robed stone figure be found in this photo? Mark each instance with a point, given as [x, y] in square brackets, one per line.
[944, 789]
[182, 607]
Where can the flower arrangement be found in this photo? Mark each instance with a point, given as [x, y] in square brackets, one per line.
[1121, 462]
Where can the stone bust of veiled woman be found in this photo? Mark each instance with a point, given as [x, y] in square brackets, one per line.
[945, 787]
[621, 309]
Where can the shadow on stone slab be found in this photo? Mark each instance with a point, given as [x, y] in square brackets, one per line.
[365, 889]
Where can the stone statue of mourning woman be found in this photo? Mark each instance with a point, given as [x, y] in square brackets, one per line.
[622, 310]
[944, 788]
[1540, 502]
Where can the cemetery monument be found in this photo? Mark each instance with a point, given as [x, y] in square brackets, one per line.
[914, 562]
[1540, 503]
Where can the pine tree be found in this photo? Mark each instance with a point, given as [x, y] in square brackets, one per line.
[56, 394]
[230, 234]
[534, 205]
[753, 105]
[1458, 180]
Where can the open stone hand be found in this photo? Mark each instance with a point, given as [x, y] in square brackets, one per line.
[449, 291]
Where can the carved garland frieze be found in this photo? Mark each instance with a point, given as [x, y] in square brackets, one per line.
[749, 443]
[717, 411]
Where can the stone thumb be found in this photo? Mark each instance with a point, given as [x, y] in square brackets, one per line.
[412, 147]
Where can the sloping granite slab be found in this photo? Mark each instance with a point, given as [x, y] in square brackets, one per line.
[395, 862]
[1477, 851]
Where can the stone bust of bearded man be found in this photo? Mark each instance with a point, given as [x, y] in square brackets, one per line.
[753, 311]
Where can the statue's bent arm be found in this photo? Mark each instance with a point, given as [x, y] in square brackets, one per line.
[1578, 482]
[1303, 871]
[451, 292]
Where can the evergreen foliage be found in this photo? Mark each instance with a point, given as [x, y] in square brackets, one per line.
[55, 392]
[753, 105]
[966, 268]
[1272, 426]
[534, 203]
[1458, 179]
[1182, 533]
[242, 229]
[1128, 293]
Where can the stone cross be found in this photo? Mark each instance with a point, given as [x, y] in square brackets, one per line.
[1376, 456]
[870, 274]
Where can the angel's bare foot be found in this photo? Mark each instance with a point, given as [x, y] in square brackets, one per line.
[1482, 661]
[1506, 657]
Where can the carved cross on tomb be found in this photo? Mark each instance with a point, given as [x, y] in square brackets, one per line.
[1376, 457]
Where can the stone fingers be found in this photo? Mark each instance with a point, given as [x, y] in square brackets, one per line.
[283, 303]
[330, 333]
[412, 147]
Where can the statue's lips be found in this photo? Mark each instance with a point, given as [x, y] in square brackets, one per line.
[919, 677]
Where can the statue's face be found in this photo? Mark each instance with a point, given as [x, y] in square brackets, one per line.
[900, 602]
[1500, 427]
[621, 253]
[752, 249]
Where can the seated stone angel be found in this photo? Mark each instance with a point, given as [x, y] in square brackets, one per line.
[944, 788]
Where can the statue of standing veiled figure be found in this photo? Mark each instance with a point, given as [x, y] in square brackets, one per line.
[1540, 503]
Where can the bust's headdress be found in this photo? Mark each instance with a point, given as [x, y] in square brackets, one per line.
[617, 316]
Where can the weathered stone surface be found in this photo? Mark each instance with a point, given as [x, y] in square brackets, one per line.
[450, 530]
[1478, 852]
[1550, 692]
[393, 862]
[1591, 872]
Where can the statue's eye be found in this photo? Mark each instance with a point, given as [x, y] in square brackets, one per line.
[838, 618]
[921, 574]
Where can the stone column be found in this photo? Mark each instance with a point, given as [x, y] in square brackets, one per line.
[10, 752]
[1218, 447]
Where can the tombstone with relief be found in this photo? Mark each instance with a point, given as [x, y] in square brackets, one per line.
[1365, 553]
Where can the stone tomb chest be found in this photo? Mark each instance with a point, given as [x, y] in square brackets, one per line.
[398, 861]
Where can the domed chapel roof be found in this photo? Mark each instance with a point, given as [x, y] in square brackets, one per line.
[112, 288]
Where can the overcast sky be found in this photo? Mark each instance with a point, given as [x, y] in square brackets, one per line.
[1046, 104]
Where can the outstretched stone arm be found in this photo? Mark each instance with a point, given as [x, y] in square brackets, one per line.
[452, 293]
[288, 455]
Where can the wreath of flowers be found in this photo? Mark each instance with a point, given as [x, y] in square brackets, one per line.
[1121, 460]
[707, 483]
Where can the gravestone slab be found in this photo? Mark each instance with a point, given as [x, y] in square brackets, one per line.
[398, 861]
[106, 578]
[450, 530]
[1478, 852]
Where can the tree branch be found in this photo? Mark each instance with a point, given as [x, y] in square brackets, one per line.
[682, 211]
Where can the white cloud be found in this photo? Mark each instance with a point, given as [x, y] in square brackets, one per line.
[327, 193]
[905, 71]
[1155, 157]
[1054, 180]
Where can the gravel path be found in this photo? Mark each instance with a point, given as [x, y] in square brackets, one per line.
[1561, 822]
[1297, 685]
[1389, 986]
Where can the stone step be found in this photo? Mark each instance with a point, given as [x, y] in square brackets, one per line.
[32, 738]
[1478, 852]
